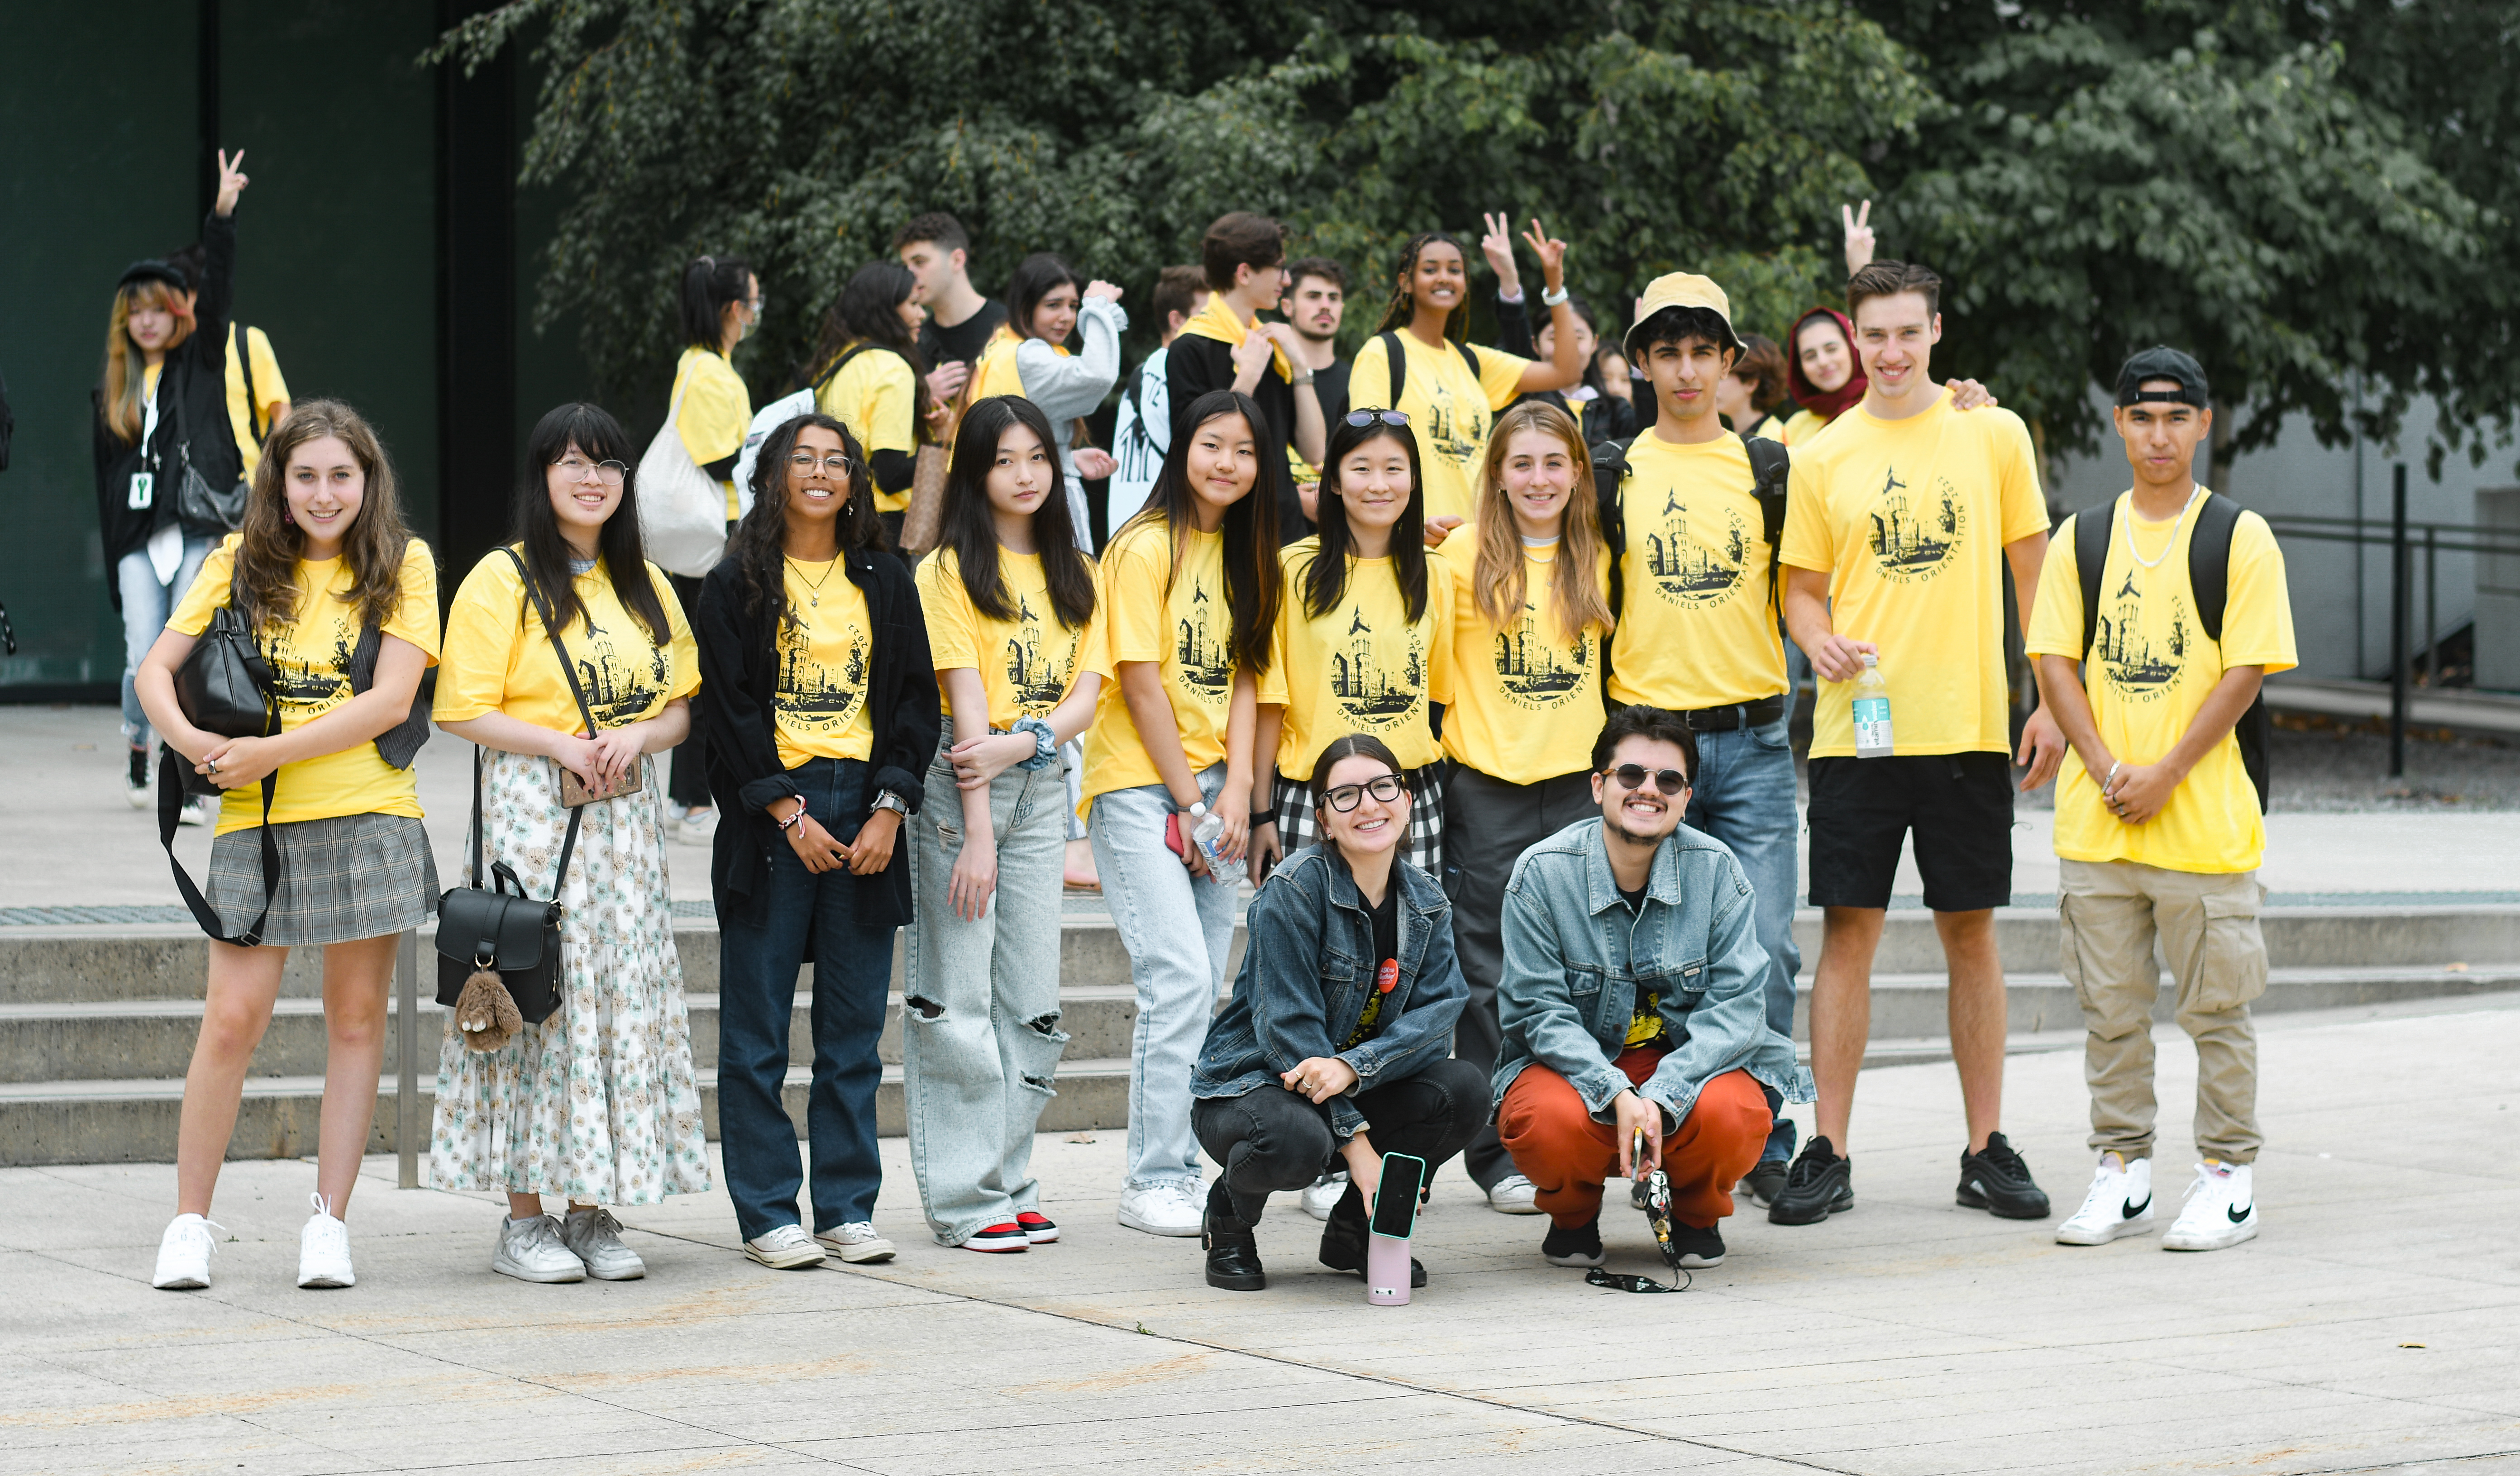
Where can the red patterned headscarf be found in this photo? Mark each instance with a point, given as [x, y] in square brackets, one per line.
[1808, 395]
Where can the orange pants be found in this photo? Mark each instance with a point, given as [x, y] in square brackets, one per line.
[1565, 1154]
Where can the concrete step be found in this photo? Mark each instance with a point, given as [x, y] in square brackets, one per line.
[1908, 1004]
[135, 1121]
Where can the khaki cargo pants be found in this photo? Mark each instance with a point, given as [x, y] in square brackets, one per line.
[2207, 925]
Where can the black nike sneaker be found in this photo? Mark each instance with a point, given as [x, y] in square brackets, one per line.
[1573, 1245]
[1698, 1248]
[1997, 1180]
[1821, 1183]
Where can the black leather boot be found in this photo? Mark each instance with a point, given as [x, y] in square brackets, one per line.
[1233, 1250]
[1343, 1238]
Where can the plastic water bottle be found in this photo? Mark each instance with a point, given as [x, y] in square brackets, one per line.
[1206, 835]
[1871, 711]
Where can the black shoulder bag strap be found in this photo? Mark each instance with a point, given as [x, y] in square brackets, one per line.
[2209, 578]
[840, 363]
[568, 844]
[243, 336]
[1770, 468]
[170, 809]
[401, 743]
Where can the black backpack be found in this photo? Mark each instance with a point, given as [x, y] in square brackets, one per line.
[1398, 360]
[2209, 576]
[1770, 467]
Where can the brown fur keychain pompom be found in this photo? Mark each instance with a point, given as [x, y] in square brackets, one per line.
[487, 1013]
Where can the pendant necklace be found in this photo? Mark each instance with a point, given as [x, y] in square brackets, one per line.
[814, 591]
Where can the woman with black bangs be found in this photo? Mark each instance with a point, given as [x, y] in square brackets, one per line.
[1364, 642]
[599, 1102]
[820, 706]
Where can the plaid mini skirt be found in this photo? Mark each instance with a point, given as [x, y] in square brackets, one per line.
[342, 880]
[1300, 825]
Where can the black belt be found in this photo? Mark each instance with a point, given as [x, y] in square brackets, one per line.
[1735, 715]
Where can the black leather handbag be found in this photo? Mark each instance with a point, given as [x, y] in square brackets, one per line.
[223, 687]
[498, 949]
[197, 504]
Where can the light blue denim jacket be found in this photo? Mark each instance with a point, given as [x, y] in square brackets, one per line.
[1575, 961]
[1309, 969]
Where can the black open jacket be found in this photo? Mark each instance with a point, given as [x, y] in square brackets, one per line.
[196, 376]
[739, 674]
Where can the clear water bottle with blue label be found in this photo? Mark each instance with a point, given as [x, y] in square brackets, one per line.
[1872, 710]
[1207, 834]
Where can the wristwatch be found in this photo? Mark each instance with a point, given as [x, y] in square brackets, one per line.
[885, 799]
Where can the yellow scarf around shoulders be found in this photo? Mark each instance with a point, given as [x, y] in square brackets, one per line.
[1217, 321]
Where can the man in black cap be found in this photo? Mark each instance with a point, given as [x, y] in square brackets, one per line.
[2149, 663]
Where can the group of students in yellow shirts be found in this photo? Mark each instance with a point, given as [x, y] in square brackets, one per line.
[890, 750]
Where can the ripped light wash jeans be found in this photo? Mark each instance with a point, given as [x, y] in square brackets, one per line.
[979, 1024]
[1179, 931]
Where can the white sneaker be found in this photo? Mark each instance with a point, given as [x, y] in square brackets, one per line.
[196, 811]
[324, 1249]
[594, 1236]
[1323, 1195]
[856, 1242]
[530, 1250]
[2120, 1203]
[184, 1254]
[1513, 1195]
[1170, 1208]
[2221, 1209]
[787, 1247]
[698, 826]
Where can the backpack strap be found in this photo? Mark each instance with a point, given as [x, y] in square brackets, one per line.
[1395, 360]
[2209, 579]
[1609, 469]
[1771, 469]
[843, 362]
[1471, 357]
[241, 338]
[2091, 529]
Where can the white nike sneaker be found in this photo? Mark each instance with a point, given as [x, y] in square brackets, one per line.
[2221, 1209]
[324, 1249]
[530, 1250]
[1169, 1208]
[2120, 1203]
[1323, 1195]
[184, 1254]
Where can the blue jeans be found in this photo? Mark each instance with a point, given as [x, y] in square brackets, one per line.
[1744, 798]
[1179, 931]
[761, 947]
[145, 605]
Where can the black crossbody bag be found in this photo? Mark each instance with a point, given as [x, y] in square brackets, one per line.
[498, 949]
[223, 687]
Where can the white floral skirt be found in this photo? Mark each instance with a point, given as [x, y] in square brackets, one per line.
[599, 1102]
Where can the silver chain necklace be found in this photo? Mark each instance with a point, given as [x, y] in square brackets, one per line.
[2154, 563]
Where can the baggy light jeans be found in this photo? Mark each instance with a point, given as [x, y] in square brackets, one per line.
[979, 1024]
[1179, 931]
[145, 605]
[1744, 798]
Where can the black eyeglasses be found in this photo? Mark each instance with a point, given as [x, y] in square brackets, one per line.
[1360, 419]
[835, 464]
[1347, 797]
[1670, 781]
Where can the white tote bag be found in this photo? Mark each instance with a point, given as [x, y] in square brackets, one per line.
[682, 509]
[769, 417]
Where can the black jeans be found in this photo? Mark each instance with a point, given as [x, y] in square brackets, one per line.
[1271, 1138]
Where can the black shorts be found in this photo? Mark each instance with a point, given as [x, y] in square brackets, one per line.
[1959, 805]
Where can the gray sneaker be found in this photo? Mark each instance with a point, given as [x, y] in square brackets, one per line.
[530, 1250]
[596, 1238]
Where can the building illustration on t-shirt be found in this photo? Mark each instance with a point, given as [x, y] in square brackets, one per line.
[814, 697]
[1206, 667]
[1038, 677]
[1368, 689]
[2133, 665]
[1687, 571]
[300, 679]
[1908, 542]
[1537, 672]
[1457, 437]
[620, 687]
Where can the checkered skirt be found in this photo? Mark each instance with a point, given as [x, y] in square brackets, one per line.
[1299, 823]
[342, 880]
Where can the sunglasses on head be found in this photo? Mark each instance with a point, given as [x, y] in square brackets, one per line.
[1360, 419]
[1670, 781]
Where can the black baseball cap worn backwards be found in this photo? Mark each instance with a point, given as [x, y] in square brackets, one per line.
[2163, 364]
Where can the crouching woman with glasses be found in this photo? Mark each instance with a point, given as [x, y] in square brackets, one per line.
[1335, 1045]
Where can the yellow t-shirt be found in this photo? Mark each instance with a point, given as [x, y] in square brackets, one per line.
[1802, 425]
[877, 396]
[1771, 427]
[1363, 667]
[268, 386]
[2151, 669]
[1448, 408]
[1028, 664]
[995, 373]
[1697, 627]
[1188, 630]
[310, 668]
[826, 651]
[1909, 518]
[1526, 701]
[498, 658]
[716, 412]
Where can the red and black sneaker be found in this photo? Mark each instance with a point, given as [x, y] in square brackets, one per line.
[1005, 1237]
[1037, 1226]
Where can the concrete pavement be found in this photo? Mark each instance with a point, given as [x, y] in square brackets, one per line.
[2373, 1326]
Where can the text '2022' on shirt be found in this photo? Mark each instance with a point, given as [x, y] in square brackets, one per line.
[1027, 665]
[1526, 701]
[1697, 627]
[2151, 666]
[498, 658]
[310, 670]
[1363, 666]
[1908, 518]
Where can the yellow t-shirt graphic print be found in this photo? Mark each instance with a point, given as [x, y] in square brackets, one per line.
[2149, 671]
[1699, 626]
[1177, 618]
[1450, 409]
[1027, 665]
[1526, 701]
[1361, 666]
[826, 654]
[498, 659]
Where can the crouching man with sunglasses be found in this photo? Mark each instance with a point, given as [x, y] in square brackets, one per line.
[1632, 1002]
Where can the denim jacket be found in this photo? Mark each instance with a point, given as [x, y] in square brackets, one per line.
[1575, 961]
[1309, 969]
